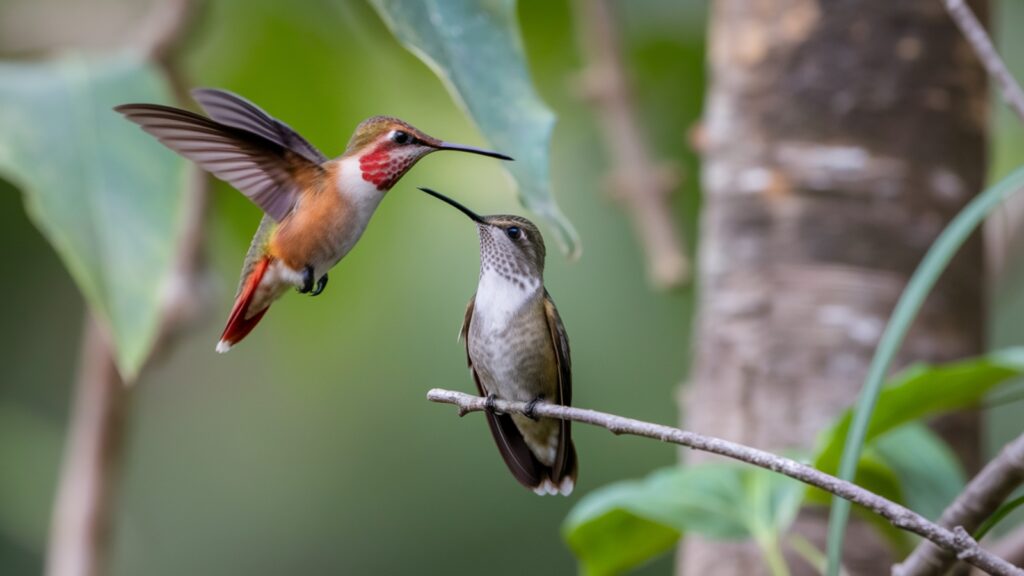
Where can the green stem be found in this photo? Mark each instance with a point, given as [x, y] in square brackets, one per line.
[996, 518]
[921, 283]
[771, 548]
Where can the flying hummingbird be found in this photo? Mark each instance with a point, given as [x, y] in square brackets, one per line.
[315, 208]
[518, 350]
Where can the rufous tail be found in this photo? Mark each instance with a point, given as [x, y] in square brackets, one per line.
[241, 322]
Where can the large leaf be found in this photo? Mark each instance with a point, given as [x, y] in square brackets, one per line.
[909, 465]
[474, 46]
[626, 524]
[924, 391]
[612, 539]
[929, 473]
[105, 195]
[874, 474]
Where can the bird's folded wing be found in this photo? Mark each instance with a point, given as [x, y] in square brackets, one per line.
[565, 462]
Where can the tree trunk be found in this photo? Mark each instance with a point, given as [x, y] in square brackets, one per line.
[839, 138]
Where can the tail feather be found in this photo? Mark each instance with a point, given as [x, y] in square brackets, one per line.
[241, 322]
[524, 465]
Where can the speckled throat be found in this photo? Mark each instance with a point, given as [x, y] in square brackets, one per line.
[510, 266]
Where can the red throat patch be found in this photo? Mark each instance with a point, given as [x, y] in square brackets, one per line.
[382, 169]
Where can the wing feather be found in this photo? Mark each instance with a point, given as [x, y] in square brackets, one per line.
[261, 168]
[565, 461]
[233, 110]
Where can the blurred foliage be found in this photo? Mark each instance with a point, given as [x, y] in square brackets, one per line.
[310, 447]
[925, 391]
[955, 234]
[474, 47]
[82, 168]
[628, 523]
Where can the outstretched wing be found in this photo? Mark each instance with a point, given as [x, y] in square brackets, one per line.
[514, 451]
[232, 110]
[565, 462]
[264, 170]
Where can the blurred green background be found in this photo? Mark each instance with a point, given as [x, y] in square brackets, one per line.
[310, 448]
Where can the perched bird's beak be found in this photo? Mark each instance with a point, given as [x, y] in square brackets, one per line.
[472, 215]
[471, 150]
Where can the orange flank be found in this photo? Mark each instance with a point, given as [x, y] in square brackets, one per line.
[242, 320]
[311, 236]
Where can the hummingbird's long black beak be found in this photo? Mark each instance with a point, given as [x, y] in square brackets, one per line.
[472, 150]
[472, 215]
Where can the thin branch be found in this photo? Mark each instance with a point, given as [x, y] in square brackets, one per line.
[81, 521]
[164, 30]
[979, 499]
[83, 513]
[184, 297]
[986, 51]
[957, 541]
[641, 184]
[1009, 547]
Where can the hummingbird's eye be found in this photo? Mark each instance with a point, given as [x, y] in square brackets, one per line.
[400, 137]
[514, 232]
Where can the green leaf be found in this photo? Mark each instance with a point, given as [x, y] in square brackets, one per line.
[909, 465]
[929, 473]
[474, 47]
[105, 195]
[873, 473]
[876, 475]
[615, 540]
[626, 524]
[919, 392]
[924, 391]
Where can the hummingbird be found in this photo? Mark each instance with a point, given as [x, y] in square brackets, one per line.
[315, 208]
[517, 349]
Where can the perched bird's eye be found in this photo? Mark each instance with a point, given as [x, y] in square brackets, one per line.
[400, 137]
[514, 232]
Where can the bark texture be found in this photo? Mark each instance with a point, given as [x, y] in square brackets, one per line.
[840, 137]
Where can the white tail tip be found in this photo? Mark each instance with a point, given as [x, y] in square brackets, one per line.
[223, 346]
[547, 487]
[565, 488]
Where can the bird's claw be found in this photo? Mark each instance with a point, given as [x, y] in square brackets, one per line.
[320, 285]
[307, 280]
[489, 403]
[531, 406]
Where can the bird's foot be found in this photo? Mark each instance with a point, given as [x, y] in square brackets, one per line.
[320, 285]
[307, 280]
[531, 406]
[489, 403]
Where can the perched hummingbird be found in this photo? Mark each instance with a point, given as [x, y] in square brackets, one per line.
[315, 208]
[518, 350]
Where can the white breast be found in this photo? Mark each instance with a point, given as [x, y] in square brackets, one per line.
[361, 195]
[498, 299]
